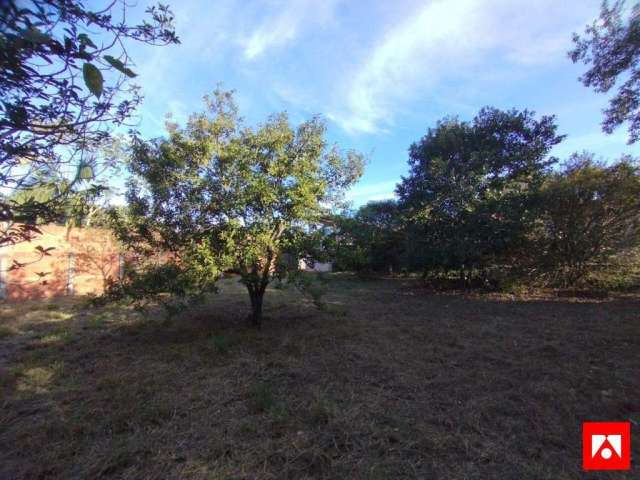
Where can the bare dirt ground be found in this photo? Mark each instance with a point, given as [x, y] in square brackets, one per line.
[390, 382]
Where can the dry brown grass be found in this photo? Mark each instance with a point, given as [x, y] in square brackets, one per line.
[390, 382]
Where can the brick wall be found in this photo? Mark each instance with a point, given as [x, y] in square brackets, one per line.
[81, 261]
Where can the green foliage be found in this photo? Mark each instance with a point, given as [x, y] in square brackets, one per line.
[231, 196]
[621, 272]
[370, 240]
[471, 186]
[611, 49]
[481, 207]
[173, 285]
[315, 285]
[63, 85]
[118, 65]
[590, 214]
[93, 79]
[65, 205]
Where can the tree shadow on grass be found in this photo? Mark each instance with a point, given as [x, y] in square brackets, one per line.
[403, 386]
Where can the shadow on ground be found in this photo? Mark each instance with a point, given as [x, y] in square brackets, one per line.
[388, 382]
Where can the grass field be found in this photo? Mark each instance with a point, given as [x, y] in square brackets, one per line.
[389, 382]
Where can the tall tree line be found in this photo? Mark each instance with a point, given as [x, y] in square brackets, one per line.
[485, 201]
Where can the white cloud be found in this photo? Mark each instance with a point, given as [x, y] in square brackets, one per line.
[361, 194]
[167, 73]
[398, 60]
[178, 111]
[362, 65]
[286, 23]
[607, 146]
[447, 41]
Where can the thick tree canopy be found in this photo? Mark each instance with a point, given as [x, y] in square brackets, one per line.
[611, 48]
[590, 212]
[64, 74]
[469, 184]
[369, 240]
[233, 196]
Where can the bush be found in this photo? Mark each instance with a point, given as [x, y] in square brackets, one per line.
[590, 213]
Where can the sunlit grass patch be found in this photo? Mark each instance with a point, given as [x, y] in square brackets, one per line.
[38, 380]
[43, 315]
[57, 316]
[56, 337]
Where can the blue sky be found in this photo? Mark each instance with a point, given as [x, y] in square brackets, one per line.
[381, 72]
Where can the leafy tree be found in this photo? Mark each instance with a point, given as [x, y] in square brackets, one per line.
[371, 239]
[382, 222]
[611, 49]
[591, 212]
[64, 82]
[218, 194]
[87, 208]
[469, 188]
[343, 248]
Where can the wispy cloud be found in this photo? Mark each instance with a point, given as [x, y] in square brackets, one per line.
[376, 67]
[173, 76]
[287, 20]
[363, 193]
[447, 40]
[400, 60]
[614, 144]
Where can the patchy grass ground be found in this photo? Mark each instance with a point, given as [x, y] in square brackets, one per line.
[391, 382]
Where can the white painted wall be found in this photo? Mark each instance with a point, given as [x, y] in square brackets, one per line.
[317, 266]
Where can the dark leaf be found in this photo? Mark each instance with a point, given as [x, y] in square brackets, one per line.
[44, 251]
[36, 36]
[85, 55]
[118, 65]
[86, 41]
[92, 79]
[16, 265]
[18, 115]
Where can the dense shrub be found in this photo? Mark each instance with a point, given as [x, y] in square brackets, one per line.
[590, 214]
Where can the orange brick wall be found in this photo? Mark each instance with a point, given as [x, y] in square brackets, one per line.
[96, 257]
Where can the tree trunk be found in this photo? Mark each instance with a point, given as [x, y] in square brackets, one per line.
[256, 306]
[256, 282]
